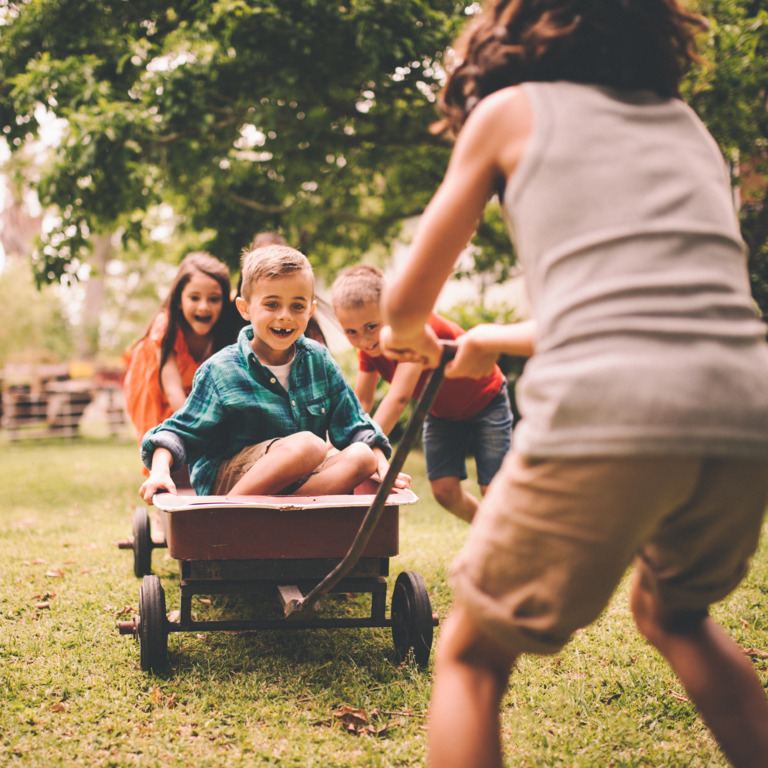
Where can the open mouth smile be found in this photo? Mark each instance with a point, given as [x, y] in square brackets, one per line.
[284, 332]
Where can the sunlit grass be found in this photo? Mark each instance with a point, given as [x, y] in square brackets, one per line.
[71, 691]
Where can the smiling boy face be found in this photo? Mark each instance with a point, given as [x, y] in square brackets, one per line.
[279, 309]
[362, 326]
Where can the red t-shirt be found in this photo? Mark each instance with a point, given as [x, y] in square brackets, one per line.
[458, 399]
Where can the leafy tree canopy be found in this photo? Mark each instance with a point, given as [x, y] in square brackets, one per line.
[305, 116]
[731, 96]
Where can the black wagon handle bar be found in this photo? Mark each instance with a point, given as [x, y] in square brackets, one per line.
[373, 515]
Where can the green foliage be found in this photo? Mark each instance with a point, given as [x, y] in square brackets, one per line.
[32, 324]
[730, 94]
[306, 117]
[293, 115]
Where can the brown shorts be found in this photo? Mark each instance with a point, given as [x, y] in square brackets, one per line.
[553, 538]
[232, 469]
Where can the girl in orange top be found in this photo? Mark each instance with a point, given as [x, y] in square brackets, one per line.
[195, 320]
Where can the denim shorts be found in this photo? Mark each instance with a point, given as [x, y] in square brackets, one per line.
[488, 436]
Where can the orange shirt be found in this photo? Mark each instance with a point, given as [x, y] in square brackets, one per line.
[145, 400]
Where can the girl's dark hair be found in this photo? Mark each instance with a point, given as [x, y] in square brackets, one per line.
[225, 331]
[624, 44]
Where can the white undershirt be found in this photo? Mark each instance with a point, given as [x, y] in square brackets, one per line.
[282, 372]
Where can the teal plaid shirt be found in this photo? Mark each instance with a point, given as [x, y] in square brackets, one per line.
[236, 402]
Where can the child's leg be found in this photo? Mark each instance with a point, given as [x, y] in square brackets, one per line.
[470, 679]
[342, 472]
[287, 460]
[718, 676]
[450, 495]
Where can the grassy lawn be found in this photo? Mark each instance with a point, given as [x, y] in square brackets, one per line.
[72, 692]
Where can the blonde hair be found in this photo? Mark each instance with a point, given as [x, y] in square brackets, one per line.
[357, 286]
[269, 262]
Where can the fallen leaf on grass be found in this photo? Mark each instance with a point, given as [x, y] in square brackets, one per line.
[350, 716]
[126, 610]
[679, 697]
[358, 721]
[55, 573]
[203, 600]
[41, 606]
[756, 653]
[59, 706]
[159, 699]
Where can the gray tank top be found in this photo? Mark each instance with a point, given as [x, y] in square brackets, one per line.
[648, 340]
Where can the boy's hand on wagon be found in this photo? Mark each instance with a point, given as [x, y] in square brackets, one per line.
[401, 481]
[422, 347]
[155, 482]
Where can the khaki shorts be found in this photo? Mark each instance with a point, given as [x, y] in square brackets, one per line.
[553, 538]
[232, 469]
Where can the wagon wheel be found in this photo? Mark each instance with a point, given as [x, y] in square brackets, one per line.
[411, 618]
[142, 543]
[153, 625]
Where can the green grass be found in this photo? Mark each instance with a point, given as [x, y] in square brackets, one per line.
[71, 690]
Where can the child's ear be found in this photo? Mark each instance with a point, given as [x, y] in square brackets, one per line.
[312, 308]
[242, 308]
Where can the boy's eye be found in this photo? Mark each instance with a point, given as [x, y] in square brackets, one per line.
[299, 307]
[372, 327]
[350, 332]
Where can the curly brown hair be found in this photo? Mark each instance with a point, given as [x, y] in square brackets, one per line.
[624, 44]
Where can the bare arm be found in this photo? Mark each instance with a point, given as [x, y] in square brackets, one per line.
[160, 475]
[399, 395]
[486, 151]
[170, 380]
[479, 348]
[365, 388]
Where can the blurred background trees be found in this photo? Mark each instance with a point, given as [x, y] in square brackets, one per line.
[146, 128]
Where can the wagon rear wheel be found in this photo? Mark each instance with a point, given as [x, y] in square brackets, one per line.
[153, 625]
[412, 618]
[142, 543]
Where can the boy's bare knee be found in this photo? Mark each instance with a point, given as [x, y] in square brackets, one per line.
[361, 456]
[655, 621]
[447, 491]
[304, 448]
[462, 642]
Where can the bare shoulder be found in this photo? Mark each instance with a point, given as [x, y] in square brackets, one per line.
[509, 106]
[501, 123]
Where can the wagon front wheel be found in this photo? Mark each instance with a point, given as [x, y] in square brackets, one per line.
[153, 625]
[412, 618]
[142, 543]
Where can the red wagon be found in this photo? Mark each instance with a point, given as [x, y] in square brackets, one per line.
[280, 545]
[299, 547]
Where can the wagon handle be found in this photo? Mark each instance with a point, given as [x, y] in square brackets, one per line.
[373, 515]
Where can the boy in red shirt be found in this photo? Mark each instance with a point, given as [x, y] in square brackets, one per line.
[467, 412]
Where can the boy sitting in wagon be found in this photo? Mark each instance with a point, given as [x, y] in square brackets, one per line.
[270, 399]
